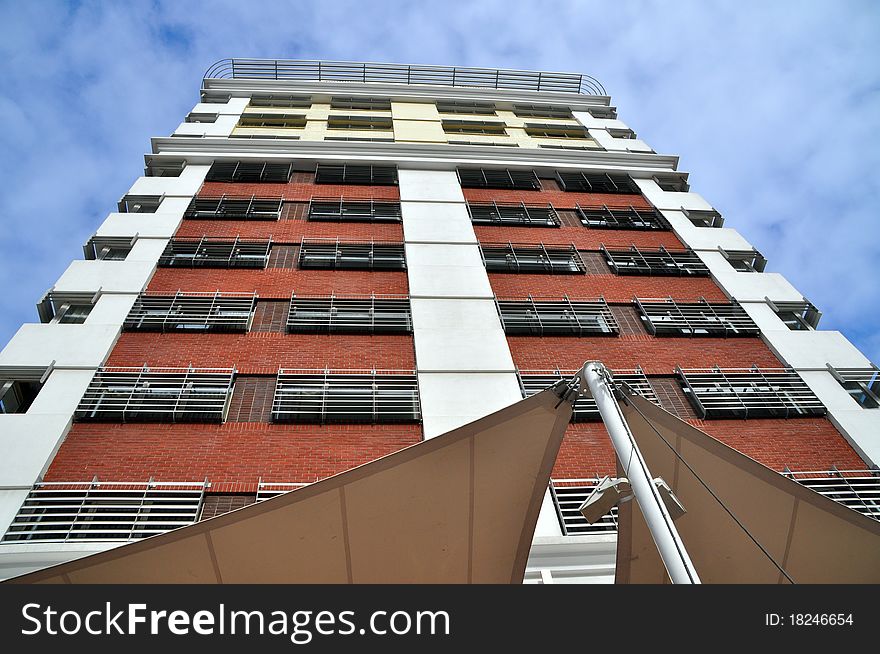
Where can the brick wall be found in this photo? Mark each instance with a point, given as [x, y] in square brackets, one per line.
[290, 231]
[559, 199]
[279, 283]
[584, 238]
[264, 353]
[233, 456]
[800, 444]
[655, 355]
[299, 189]
[615, 288]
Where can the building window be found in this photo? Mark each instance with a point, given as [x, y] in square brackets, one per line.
[568, 497]
[551, 131]
[352, 255]
[281, 121]
[356, 174]
[66, 308]
[584, 408]
[157, 395]
[281, 101]
[67, 512]
[216, 253]
[749, 393]
[514, 214]
[603, 113]
[862, 384]
[473, 108]
[524, 180]
[17, 395]
[474, 127]
[355, 315]
[363, 104]
[108, 248]
[797, 316]
[524, 258]
[745, 260]
[496, 144]
[671, 318]
[361, 123]
[200, 118]
[346, 396]
[704, 218]
[229, 207]
[557, 317]
[540, 111]
[616, 183]
[655, 262]
[673, 182]
[140, 203]
[249, 171]
[191, 312]
[360, 211]
[629, 218]
[360, 139]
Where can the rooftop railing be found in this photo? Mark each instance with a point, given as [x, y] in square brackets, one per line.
[350, 71]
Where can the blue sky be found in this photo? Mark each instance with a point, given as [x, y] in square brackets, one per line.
[774, 108]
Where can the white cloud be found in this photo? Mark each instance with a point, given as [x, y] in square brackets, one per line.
[774, 107]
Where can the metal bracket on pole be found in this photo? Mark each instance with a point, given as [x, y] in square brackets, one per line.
[647, 492]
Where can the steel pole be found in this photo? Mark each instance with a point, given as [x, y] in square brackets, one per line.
[672, 550]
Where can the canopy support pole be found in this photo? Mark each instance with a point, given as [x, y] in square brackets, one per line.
[672, 550]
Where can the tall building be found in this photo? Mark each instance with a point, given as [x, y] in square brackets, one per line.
[327, 262]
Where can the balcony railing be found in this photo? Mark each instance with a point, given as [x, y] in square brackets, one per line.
[383, 73]
[62, 512]
[857, 489]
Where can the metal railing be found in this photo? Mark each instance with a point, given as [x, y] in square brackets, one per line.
[375, 396]
[749, 393]
[231, 207]
[530, 258]
[185, 312]
[513, 213]
[333, 254]
[856, 489]
[629, 218]
[666, 317]
[389, 73]
[635, 261]
[216, 253]
[360, 315]
[249, 172]
[556, 317]
[584, 408]
[356, 174]
[616, 183]
[568, 496]
[503, 178]
[862, 384]
[63, 512]
[157, 395]
[342, 209]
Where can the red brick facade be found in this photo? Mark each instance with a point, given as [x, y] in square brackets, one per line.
[656, 355]
[265, 353]
[806, 444]
[235, 455]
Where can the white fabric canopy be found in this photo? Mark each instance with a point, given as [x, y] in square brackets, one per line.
[813, 538]
[459, 508]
